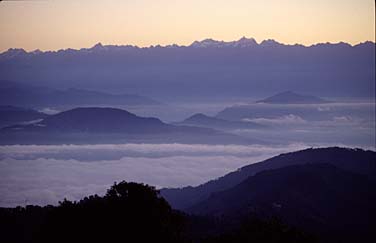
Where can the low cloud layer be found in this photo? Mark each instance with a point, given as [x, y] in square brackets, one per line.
[46, 174]
[289, 119]
[118, 151]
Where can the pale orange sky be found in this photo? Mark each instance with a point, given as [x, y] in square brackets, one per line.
[59, 24]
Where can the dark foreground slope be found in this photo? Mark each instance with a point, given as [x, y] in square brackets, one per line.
[109, 125]
[129, 212]
[333, 203]
[354, 160]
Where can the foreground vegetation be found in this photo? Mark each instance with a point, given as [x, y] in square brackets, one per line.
[131, 212]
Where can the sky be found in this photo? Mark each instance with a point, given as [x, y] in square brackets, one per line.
[57, 24]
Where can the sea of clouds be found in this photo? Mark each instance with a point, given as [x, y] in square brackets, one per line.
[46, 174]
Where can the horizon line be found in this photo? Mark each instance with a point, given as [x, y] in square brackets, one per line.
[100, 44]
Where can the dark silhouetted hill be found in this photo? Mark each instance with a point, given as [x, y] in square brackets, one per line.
[321, 198]
[129, 212]
[313, 195]
[353, 160]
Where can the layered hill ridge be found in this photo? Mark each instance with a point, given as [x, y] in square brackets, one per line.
[241, 68]
[354, 160]
[13, 93]
[109, 125]
[320, 198]
[330, 192]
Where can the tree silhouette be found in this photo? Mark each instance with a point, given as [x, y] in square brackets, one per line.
[130, 212]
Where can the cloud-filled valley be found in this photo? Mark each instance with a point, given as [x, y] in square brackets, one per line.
[46, 174]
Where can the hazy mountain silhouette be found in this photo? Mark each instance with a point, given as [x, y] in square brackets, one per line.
[354, 160]
[320, 198]
[11, 115]
[109, 125]
[39, 96]
[201, 120]
[93, 120]
[290, 97]
[293, 106]
[267, 113]
[240, 68]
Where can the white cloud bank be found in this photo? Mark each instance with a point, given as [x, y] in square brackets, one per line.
[118, 151]
[37, 174]
[289, 119]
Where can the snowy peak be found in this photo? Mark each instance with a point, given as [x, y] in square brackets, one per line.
[98, 47]
[207, 43]
[13, 52]
[243, 42]
[270, 43]
[36, 52]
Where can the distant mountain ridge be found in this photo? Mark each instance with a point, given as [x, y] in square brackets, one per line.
[240, 68]
[39, 96]
[243, 42]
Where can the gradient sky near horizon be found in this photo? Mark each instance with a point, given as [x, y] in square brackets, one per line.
[59, 24]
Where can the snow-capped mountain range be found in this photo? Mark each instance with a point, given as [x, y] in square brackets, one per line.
[206, 43]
